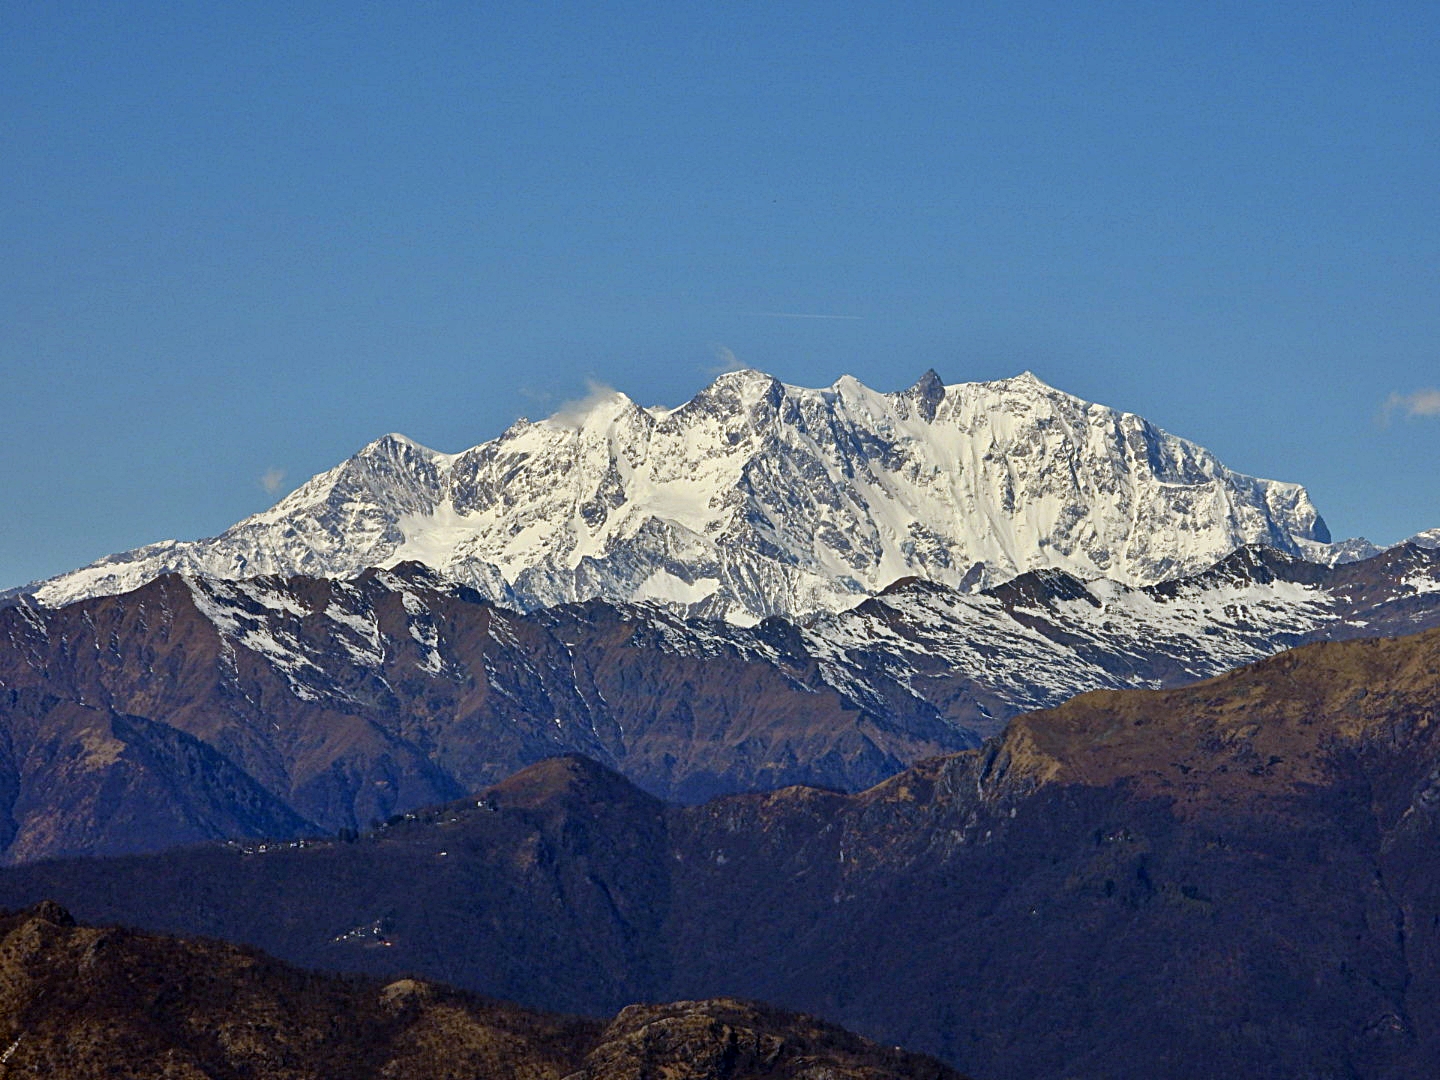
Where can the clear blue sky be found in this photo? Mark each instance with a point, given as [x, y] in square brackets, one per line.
[241, 239]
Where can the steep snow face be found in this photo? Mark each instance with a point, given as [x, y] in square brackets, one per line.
[758, 498]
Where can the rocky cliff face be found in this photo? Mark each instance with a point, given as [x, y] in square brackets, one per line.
[757, 498]
[1234, 878]
[198, 709]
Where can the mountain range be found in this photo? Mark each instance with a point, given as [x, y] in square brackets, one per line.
[757, 498]
[195, 708]
[978, 718]
[1234, 878]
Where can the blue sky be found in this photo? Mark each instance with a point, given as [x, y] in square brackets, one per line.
[240, 241]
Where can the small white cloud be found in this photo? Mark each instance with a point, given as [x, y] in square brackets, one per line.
[572, 414]
[272, 480]
[725, 360]
[1423, 402]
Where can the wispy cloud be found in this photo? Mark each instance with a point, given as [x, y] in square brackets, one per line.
[800, 315]
[1422, 402]
[572, 414]
[272, 480]
[538, 397]
[725, 360]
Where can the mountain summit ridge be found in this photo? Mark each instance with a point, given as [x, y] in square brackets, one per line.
[759, 498]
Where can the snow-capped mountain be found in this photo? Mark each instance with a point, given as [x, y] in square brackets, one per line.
[1037, 640]
[1430, 538]
[757, 498]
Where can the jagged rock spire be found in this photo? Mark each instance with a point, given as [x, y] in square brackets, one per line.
[927, 393]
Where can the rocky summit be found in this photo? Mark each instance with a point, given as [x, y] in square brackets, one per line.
[757, 498]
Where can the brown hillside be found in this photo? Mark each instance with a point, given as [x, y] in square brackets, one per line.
[80, 1002]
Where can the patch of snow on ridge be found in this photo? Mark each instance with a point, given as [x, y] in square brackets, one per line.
[370, 650]
[272, 599]
[1421, 584]
[262, 632]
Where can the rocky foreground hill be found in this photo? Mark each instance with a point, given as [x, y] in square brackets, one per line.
[84, 1002]
[196, 709]
[1235, 878]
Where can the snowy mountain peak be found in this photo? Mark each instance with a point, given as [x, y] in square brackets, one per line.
[603, 406]
[757, 498]
[1029, 378]
[1430, 538]
[394, 443]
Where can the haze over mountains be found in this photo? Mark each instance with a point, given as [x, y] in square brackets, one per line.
[756, 498]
